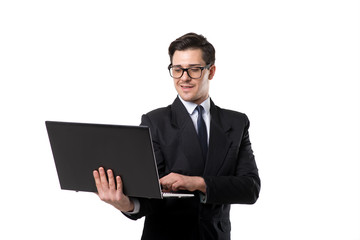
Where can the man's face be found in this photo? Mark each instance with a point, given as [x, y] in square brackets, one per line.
[189, 89]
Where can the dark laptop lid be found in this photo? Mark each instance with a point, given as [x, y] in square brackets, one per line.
[80, 148]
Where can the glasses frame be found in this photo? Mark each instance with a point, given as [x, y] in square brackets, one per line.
[187, 69]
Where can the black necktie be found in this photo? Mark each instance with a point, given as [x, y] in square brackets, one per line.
[202, 133]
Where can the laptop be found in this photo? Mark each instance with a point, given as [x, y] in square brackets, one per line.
[80, 148]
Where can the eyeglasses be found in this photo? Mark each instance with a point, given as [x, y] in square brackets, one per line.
[192, 72]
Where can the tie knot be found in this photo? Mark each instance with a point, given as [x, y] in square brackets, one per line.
[200, 109]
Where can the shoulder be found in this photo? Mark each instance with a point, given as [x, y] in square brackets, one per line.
[230, 115]
[157, 117]
[159, 113]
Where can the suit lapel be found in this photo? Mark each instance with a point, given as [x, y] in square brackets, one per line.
[218, 143]
[189, 141]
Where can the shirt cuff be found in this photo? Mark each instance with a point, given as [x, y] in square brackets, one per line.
[203, 197]
[136, 207]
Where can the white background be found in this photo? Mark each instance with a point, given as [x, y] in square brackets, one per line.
[291, 66]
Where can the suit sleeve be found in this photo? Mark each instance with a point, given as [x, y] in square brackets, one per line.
[243, 186]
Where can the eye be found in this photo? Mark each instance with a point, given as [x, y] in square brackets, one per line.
[195, 70]
[177, 70]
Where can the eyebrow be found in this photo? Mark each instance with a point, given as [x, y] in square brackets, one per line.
[190, 65]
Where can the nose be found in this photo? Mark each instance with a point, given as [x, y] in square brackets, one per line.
[185, 76]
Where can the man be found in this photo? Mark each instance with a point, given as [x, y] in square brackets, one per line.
[200, 148]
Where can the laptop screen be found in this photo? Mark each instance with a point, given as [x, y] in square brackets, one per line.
[80, 148]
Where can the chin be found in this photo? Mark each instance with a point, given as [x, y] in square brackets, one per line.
[186, 97]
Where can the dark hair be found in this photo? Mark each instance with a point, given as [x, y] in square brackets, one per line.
[193, 41]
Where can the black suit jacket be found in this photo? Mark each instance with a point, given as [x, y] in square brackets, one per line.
[230, 173]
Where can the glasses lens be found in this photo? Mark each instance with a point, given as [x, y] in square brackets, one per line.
[195, 72]
[176, 72]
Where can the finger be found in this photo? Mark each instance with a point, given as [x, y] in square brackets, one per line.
[111, 179]
[162, 180]
[103, 180]
[165, 188]
[174, 186]
[119, 185]
[97, 181]
[167, 180]
[165, 184]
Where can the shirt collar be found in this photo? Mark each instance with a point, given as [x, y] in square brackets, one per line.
[190, 106]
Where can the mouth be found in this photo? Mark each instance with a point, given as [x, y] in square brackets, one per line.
[186, 87]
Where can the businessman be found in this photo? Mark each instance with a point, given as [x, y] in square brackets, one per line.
[199, 147]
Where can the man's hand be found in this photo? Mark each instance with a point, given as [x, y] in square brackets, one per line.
[175, 182]
[111, 193]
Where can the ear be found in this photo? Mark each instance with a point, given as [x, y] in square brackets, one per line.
[212, 72]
